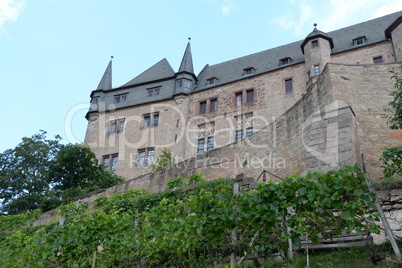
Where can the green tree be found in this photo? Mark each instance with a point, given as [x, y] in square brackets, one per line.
[164, 160]
[392, 156]
[395, 119]
[24, 173]
[76, 171]
[42, 173]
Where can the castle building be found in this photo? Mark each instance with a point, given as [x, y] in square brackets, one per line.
[220, 112]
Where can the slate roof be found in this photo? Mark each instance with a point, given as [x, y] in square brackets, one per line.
[187, 61]
[106, 81]
[160, 70]
[268, 60]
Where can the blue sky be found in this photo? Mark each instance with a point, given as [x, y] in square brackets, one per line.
[53, 52]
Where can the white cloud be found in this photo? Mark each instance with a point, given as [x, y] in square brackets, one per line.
[226, 10]
[333, 14]
[10, 10]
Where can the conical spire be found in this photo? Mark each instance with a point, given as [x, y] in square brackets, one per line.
[106, 81]
[187, 61]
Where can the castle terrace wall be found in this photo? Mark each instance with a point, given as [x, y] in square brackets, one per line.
[367, 88]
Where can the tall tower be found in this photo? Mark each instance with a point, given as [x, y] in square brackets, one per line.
[185, 77]
[316, 48]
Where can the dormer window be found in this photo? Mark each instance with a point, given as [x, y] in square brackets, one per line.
[248, 70]
[359, 40]
[120, 98]
[183, 83]
[285, 61]
[211, 81]
[153, 91]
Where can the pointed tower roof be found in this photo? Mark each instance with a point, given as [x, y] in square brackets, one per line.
[106, 81]
[187, 61]
[160, 70]
[315, 34]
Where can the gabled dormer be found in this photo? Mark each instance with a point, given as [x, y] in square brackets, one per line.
[316, 48]
[185, 77]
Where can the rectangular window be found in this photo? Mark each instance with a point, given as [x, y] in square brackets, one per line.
[203, 107]
[317, 69]
[94, 100]
[250, 95]
[248, 71]
[155, 120]
[288, 86]
[106, 162]
[110, 161]
[120, 98]
[150, 120]
[200, 147]
[359, 40]
[141, 158]
[150, 156]
[239, 135]
[120, 126]
[239, 98]
[186, 83]
[249, 132]
[113, 164]
[211, 81]
[115, 126]
[285, 61]
[308, 75]
[153, 91]
[377, 60]
[145, 157]
[147, 121]
[210, 143]
[213, 105]
[112, 127]
[179, 83]
[314, 43]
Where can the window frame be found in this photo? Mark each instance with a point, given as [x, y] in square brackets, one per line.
[250, 95]
[378, 60]
[314, 43]
[120, 98]
[110, 161]
[288, 84]
[317, 69]
[115, 126]
[150, 120]
[202, 107]
[239, 135]
[145, 157]
[248, 134]
[239, 98]
[248, 71]
[201, 145]
[213, 105]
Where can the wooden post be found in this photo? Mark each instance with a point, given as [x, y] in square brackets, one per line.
[384, 220]
[234, 231]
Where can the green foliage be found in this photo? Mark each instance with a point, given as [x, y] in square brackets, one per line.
[164, 160]
[42, 174]
[76, 171]
[24, 173]
[395, 119]
[192, 226]
[392, 161]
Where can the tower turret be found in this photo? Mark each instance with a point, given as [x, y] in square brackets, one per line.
[316, 48]
[185, 77]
